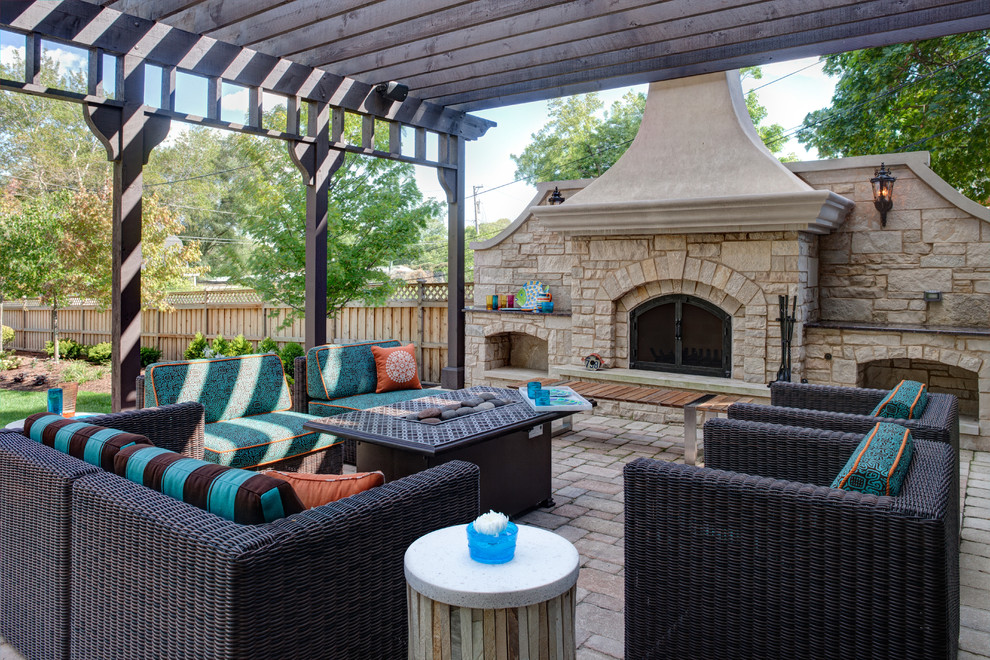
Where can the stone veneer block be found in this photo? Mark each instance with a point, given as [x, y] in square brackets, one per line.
[749, 256]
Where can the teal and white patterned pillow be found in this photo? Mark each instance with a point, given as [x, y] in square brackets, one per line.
[906, 401]
[880, 462]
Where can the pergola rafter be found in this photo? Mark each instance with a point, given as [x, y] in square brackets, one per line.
[129, 129]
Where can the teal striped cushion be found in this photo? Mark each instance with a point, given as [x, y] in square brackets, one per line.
[880, 462]
[93, 444]
[245, 497]
[906, 401]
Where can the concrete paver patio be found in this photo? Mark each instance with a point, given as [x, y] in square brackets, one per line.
[587, 472]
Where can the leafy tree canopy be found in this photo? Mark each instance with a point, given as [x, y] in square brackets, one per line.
[576, 143]
[927, 95]
[376, 212]
[434, 244]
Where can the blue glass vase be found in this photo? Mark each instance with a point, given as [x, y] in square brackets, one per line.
[488, 549]
[55, 400]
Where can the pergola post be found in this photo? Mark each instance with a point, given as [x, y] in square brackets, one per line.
[451, 175]
[317, 163]
[129, 136]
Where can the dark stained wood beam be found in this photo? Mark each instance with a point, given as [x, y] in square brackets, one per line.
[495, 37]
[154, 10]
[617, 69]
[452, 182]
[88, 25]
[129, 136]
[671, 24]
[317, 164]
[331, 40]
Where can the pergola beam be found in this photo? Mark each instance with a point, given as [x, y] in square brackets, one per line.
[91, 26]
[619, 68]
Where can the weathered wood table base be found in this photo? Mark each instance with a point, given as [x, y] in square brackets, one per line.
[438, 631]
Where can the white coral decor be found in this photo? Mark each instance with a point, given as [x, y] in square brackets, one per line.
[491, 523]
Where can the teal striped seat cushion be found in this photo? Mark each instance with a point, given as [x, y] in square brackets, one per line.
[364, 401]
[906, 401]
[342, 370]
[227, 387]
[242, 496]
[95, 445]
[260, 439]
[880, 462]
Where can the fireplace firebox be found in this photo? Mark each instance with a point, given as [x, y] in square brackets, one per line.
[681, 334]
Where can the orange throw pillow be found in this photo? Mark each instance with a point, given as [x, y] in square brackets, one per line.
[396, 368]
[319, 489]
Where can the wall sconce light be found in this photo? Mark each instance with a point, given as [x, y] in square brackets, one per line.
[933, 296]
[393, 91]
[555, 197]
[883, 192]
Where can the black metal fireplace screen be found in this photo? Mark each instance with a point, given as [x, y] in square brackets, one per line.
[681, 334]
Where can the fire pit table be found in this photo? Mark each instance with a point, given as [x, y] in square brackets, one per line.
[509, 442]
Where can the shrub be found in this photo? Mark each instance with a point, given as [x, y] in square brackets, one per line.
[67, 348]
[80, 372]
[289, 353]
[240, 346]
[9, 361]
[268, 345]
[150, 355]
[99, 354]
[196, 348]
[221, 347]
[8, 335]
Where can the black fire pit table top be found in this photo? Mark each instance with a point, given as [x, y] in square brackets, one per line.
[387, 424]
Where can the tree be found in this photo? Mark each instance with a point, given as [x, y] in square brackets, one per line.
[376, 212]
[929, 95]
[576, 144]
[434, 241]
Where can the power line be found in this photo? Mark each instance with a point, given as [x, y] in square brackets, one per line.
[193, 178]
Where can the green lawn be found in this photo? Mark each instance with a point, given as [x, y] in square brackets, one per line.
[16, 405]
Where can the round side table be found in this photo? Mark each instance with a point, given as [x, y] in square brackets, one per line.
[459, 608]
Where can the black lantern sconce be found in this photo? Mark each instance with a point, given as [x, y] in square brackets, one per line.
[555, 197]
[393, 91]
[883, 192]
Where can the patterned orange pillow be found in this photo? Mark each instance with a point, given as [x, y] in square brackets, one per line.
[319, 489]
[396, 368]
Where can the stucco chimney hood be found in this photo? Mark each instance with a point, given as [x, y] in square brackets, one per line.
[697, 165]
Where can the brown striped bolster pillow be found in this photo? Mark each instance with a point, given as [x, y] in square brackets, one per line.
[94, 444]
[245, 497]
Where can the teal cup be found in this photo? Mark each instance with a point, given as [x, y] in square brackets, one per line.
[532, 388]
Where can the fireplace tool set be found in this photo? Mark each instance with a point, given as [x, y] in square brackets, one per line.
[786, 337]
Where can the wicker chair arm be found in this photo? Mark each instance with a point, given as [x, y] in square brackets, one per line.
[853, 400]
[178, 427]
[139, 391]
[326, 583]
[300, 394]
[835, 421]
[790, 453]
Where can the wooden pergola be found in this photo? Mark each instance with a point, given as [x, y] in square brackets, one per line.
[454, 55]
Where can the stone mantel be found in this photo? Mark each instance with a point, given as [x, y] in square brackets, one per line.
[813, 211]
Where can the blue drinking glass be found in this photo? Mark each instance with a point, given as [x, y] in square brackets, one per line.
[543, 398]
[55, 400]
[532, 388]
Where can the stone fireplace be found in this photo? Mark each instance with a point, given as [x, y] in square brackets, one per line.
[670, 265]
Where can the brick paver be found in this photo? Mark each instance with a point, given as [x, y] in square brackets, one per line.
[588, 465]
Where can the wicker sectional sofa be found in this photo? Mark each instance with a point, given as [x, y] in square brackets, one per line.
[95, 566]
[339, 378]
[250, 420]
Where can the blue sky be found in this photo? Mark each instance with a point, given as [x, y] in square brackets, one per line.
[789, 90]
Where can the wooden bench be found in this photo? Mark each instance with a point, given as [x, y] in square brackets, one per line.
[690, 402]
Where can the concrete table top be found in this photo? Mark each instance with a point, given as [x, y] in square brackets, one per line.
[439, 567]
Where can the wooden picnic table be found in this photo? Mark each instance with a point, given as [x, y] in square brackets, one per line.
[692, 402]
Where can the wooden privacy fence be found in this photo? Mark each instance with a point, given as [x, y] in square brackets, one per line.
[416, 314]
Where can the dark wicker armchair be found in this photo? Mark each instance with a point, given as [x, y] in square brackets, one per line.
[723, 563]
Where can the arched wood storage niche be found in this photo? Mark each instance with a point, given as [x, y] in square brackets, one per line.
[681, 334]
